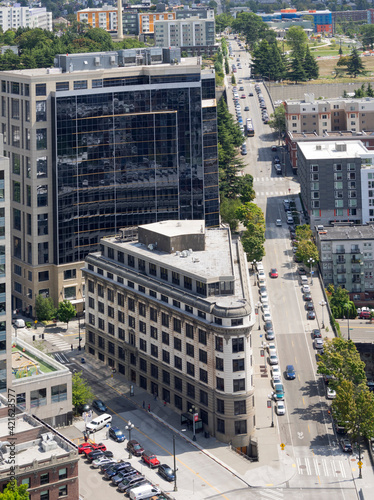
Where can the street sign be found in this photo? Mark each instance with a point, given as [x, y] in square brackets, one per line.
[196, 417]
[360, 464]
[282, 446]
[269, 404]
[262, 353]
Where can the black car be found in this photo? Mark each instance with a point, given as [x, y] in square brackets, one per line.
[105, 467]
[93, 455]
[250, 94]
[99, 405]
[316, 334]
[309, 306]
[166, 472]
[83, 408]
[116, 434]
[124, 474]
[130, 482]
[307, 296]
[112, 471]
[301, 271]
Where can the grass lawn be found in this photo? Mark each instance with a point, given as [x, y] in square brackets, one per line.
[325, 51]
[327, 66]
[44, 367]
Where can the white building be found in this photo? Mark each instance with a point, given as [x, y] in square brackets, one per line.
[184, 32]
[25, 17]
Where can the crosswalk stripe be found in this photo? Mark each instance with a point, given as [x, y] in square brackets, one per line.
[325, 467]
[308, 469]
[271, 494]
[341, 468]
[316, 466]
[333, 468]
[298, 463]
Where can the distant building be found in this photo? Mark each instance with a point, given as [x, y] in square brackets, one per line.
[172, 311]
[25, 17]
[336, 181]
[347, 259]
[336, 114]
[45, 460]
[322, 19]
[339, 17]
[100, 17]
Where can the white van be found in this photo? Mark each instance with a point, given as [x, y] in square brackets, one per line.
[99, 422]
[144, 491]
[19, 323]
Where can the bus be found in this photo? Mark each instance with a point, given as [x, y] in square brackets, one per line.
[250, 129]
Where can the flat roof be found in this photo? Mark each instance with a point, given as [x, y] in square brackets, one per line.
[348, 233]
[347, 134]
[176, 227]
[325, 150]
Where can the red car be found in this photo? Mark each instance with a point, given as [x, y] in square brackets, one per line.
[273, 273]
[94, 447]
[150, 459]
[83, 446]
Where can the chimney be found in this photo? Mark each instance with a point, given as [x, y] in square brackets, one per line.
[119, 20]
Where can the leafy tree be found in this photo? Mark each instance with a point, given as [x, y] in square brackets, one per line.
[355, 66]
[44, 308]
[252, 27]
[278, 120]
[247, 193]
[227, 66]
[367, 35]
[15, 492]
[343, 61]
[253, 238]
[297, 39]
[253, 244]
[304, 232]
[233, 80]
[306, 250]
[339, 302]
[66, 311]
[223, 21]
[228, 208]
[81, 391]
[101, 37]
[310, 65]
[252, 216]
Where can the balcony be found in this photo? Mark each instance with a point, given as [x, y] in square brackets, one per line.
[355, 251]
[341, 270]
[340, 250]
[354, 260]
[356, 279]
[340, 260]
[342, 280]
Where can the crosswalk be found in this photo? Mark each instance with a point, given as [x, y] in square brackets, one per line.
[270, 494]
[56, 340]
[284, 193]
[307, 466]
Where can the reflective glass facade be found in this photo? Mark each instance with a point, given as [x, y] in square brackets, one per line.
[130, 157]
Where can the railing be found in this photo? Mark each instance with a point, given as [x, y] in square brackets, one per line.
[340, 250]
[342, 280]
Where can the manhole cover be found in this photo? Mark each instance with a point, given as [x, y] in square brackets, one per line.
[302, 466]
[338, 471]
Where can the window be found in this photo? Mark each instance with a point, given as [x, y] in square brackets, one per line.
[62, 474]
[177, 325]
[165, 338]
[38, 398]
[190, 391]
[63, 490]
[190, 369]
[143, 365]
[240, 407]
[143, 345]
[43, 276]
[165, 356]
[152, 269]
[190, 351]
[166, 377]
[131, 304]
[41, 138]
[42, 195]
[187, 283]
[154, 333]
[165, 320]
[44, 495]
[202, 336]
[59, 393]
[42, 167]
[178, 402]
[178, 362]
[41, 111]
[142, 327]
[189, 331]
[154, 371]
[238, 344]
[237, 365]
[70, 293]
[204, 397]
[239, 385]
[175, 278]
[80, 84]
[16, 191]
[177, 344]
[40, 89]
[220, 384]
[61, 86]
[203, 356]
[178, 385]
[219, 364]
[220, 425]
[43, 256]
[241, 427]
[16, 163]
[42, 224]
[203, 376]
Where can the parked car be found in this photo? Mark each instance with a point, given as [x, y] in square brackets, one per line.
[114, 469]
[150, 459]
[278, 391]
[99, 405]
[276, 375]
[346, 445]
[124, 474]
[103, 460]
[316, 334]
[116, 434]
[311, 315]
[309, 306]
[93, 455]
[318, 344]
[307, 296]
[330, 393]
[280, 408]
[134, 447]
[130, 482]
[273, 359]
[88, 447]
[166, 472]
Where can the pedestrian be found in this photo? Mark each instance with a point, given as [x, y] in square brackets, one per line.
[164, 403]
[143, 405]
[85, 437]
[71, 346]
[149, 407]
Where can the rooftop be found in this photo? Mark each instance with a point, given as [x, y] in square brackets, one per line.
[326, 150]
[347, 232]
[346, 134]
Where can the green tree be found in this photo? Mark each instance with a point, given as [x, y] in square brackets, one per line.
[246, 191]
[66, 311]
[252, 27]
[355, 66]
[339, 302]
[81, 391]
[223, 21]
[297, 39]
[251, 216]
[101, 37]
[228, 208]
[15, 492]
[306, 250]
[44, 308]
[370, 91]
[253, 244]
[278, 120]
[227, 66]
[260, 58]
[342, 361]
[233, 80]
[304, 232]
[367, 35]
[253, 238]
[310, 65]
[296, 72]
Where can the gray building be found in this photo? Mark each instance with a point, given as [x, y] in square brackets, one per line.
[172, 312]
[330, 180]
[347, 259]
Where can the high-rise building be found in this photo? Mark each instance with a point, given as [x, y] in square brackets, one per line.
[184, 33]
[25, 17]
[101, 142]
[172, 310]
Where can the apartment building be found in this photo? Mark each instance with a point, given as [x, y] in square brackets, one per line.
[25, 17]
[172, 311]
[336, 181]
[105, 17]
[347, 259]
[314, 115]
[193, 32]
[101, 142]
[45, 460]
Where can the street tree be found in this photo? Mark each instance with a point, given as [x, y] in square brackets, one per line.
[278, 120]
[14, 492]
[228, 209]
[260, 58]
[340, 303]
[354, 405]
[223, 21]
[341, 360]
[245, 186]
[44, 308]
[251, 26]
[81, 391]
[310, 65]
[253, 244]
[355, 65]
[297, 39]
[251, 216]
[66, 311]
[253, 238]
[367, 35]
[307, 250]
[303, 232]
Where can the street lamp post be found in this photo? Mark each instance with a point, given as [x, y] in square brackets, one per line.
[79, 333]
[322, 304]
[270, 400]
[349, 335]
[311, 262]
[259, 314]
[192, 410]
[129, 428]
[175, 466]
[254, 271]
